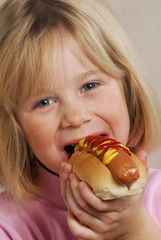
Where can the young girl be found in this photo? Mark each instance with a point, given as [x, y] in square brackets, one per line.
[67, 71]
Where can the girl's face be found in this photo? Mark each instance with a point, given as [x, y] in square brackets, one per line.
[83, 101]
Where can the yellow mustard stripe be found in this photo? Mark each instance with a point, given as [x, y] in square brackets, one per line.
[99, 152]
[76, 148]
[81, 142]
[123, 146]
[95, 148]
[105, 142]
[109, 155]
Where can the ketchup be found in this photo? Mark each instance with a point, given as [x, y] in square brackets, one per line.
[104, 143]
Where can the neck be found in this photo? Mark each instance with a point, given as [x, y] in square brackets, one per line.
[47, 169]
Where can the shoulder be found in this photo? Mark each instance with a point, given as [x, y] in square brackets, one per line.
[8, 232]
[35, 219]
[152, 194]
[17, 221]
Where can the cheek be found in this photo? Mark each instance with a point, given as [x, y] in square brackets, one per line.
[112, 108]
[38, 133]
[112, 105]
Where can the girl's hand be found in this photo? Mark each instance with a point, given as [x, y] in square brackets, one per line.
[89, 217]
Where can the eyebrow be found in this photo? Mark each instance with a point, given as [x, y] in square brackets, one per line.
[88, 73]
[79, 77]
[43, 91]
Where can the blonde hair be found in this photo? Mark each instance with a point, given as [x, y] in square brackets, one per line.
[29, 29]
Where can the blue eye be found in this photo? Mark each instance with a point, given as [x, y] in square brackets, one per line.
[89, 86]
[43, 103]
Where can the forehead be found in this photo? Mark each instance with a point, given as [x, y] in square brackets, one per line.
[45, 57]
[46, 60]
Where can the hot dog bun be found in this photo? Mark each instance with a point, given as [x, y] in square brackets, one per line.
[90, 169]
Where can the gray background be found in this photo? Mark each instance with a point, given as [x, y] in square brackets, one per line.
[142, 20]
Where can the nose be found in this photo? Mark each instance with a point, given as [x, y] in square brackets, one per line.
[74, 115]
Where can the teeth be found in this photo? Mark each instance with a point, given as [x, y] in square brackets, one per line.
[73, 145]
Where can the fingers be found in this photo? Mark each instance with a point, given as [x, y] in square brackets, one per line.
[81, 198]
[84, 195]
[83, 232]
[80, 231]
[94, 201]
[74, 188]
[114, 205]
[86, 213]
[65, 171]
[80, 208]
[76, 203]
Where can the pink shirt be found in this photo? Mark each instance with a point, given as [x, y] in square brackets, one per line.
[152, 195]
[40, 219]
[45, 218]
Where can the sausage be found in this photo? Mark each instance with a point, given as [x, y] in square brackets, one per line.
[114, 155]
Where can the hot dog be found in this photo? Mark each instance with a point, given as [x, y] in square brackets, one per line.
[110, 168]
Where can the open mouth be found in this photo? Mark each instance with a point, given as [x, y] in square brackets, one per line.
[70, 149]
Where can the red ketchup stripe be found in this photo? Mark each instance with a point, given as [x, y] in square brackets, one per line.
[118, 148]
[108, 145]
[97, 141]
[89, 139]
